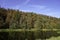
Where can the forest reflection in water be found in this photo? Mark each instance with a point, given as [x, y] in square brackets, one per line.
[28, 35]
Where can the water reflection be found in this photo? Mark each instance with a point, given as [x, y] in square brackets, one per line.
[30, 35]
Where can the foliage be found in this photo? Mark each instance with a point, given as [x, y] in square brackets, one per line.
[15, 19]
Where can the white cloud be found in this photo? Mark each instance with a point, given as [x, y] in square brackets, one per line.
[26, 10]
[54, 14]
[27, 1]
[38, 6]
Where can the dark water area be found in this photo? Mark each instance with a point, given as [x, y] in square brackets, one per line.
[4, 35]
[28, 35]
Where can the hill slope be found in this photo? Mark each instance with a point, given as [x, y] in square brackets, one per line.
[10, 18]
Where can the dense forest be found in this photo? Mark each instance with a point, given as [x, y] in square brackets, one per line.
[16, 19]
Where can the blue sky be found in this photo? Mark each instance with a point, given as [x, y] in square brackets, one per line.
[46, 7]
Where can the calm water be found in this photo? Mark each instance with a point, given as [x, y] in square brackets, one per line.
[49, 35]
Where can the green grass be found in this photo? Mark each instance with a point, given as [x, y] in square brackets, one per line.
[19, 30]
[54, 38]
[22, 30]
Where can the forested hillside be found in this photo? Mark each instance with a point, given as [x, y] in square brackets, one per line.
[10, 18]
[15, 19]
